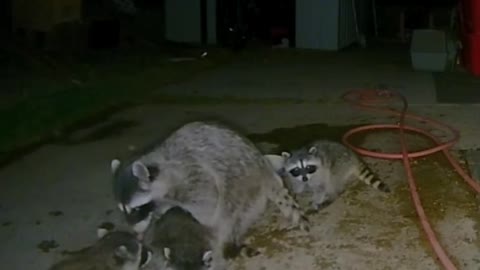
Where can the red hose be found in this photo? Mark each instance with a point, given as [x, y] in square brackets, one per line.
[369, 100]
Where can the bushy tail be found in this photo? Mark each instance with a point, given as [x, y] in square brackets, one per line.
[366, 175]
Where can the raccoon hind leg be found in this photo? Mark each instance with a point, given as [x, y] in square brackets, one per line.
[320, 199]
[234, 246]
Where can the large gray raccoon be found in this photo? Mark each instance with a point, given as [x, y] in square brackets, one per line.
[212, 172]
[324, 169]
[117, 250]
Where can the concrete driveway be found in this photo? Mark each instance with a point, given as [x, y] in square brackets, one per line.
[53, 199]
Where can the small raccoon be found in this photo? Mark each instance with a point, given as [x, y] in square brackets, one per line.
[325, 169]
[117, 250]
[211, 171]
[180, 242]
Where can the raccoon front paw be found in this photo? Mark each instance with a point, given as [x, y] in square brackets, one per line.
[302, 221]
[317, 206]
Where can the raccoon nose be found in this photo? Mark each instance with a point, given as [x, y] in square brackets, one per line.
[304, 179]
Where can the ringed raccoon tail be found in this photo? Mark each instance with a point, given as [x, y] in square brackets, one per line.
[366, 175]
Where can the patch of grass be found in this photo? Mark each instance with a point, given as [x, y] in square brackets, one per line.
[51, 102]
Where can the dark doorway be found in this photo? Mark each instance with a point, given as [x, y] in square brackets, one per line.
[268, 21]
[6, 17]
[203, 22]
[275, 21]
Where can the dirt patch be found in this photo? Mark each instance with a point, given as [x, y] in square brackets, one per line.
[55, 213]
[7, 223]
[366, 228]
[46, 245]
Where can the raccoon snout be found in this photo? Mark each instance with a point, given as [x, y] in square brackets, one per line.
[304, 179]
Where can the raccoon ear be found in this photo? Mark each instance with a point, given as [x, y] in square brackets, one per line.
[101, 232]
[286, 155]
[207, 258]
[166, 253]
[140, 171]
[312, 150]
[114, 165]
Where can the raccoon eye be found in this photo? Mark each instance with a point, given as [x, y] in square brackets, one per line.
[311, 168]
[295, 172]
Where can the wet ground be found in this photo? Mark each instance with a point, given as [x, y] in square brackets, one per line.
[53, 199]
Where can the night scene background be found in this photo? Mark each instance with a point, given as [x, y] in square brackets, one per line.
[86, 81]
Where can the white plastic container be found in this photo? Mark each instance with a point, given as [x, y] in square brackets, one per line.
[428, 50]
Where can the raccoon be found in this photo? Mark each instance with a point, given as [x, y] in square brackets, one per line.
[117, 250]
[179, 242]
[325, 169]
[211, 171]
[184, 243]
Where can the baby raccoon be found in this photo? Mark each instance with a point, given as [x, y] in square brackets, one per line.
[325, 169]
[117, 250]
[180, 242]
